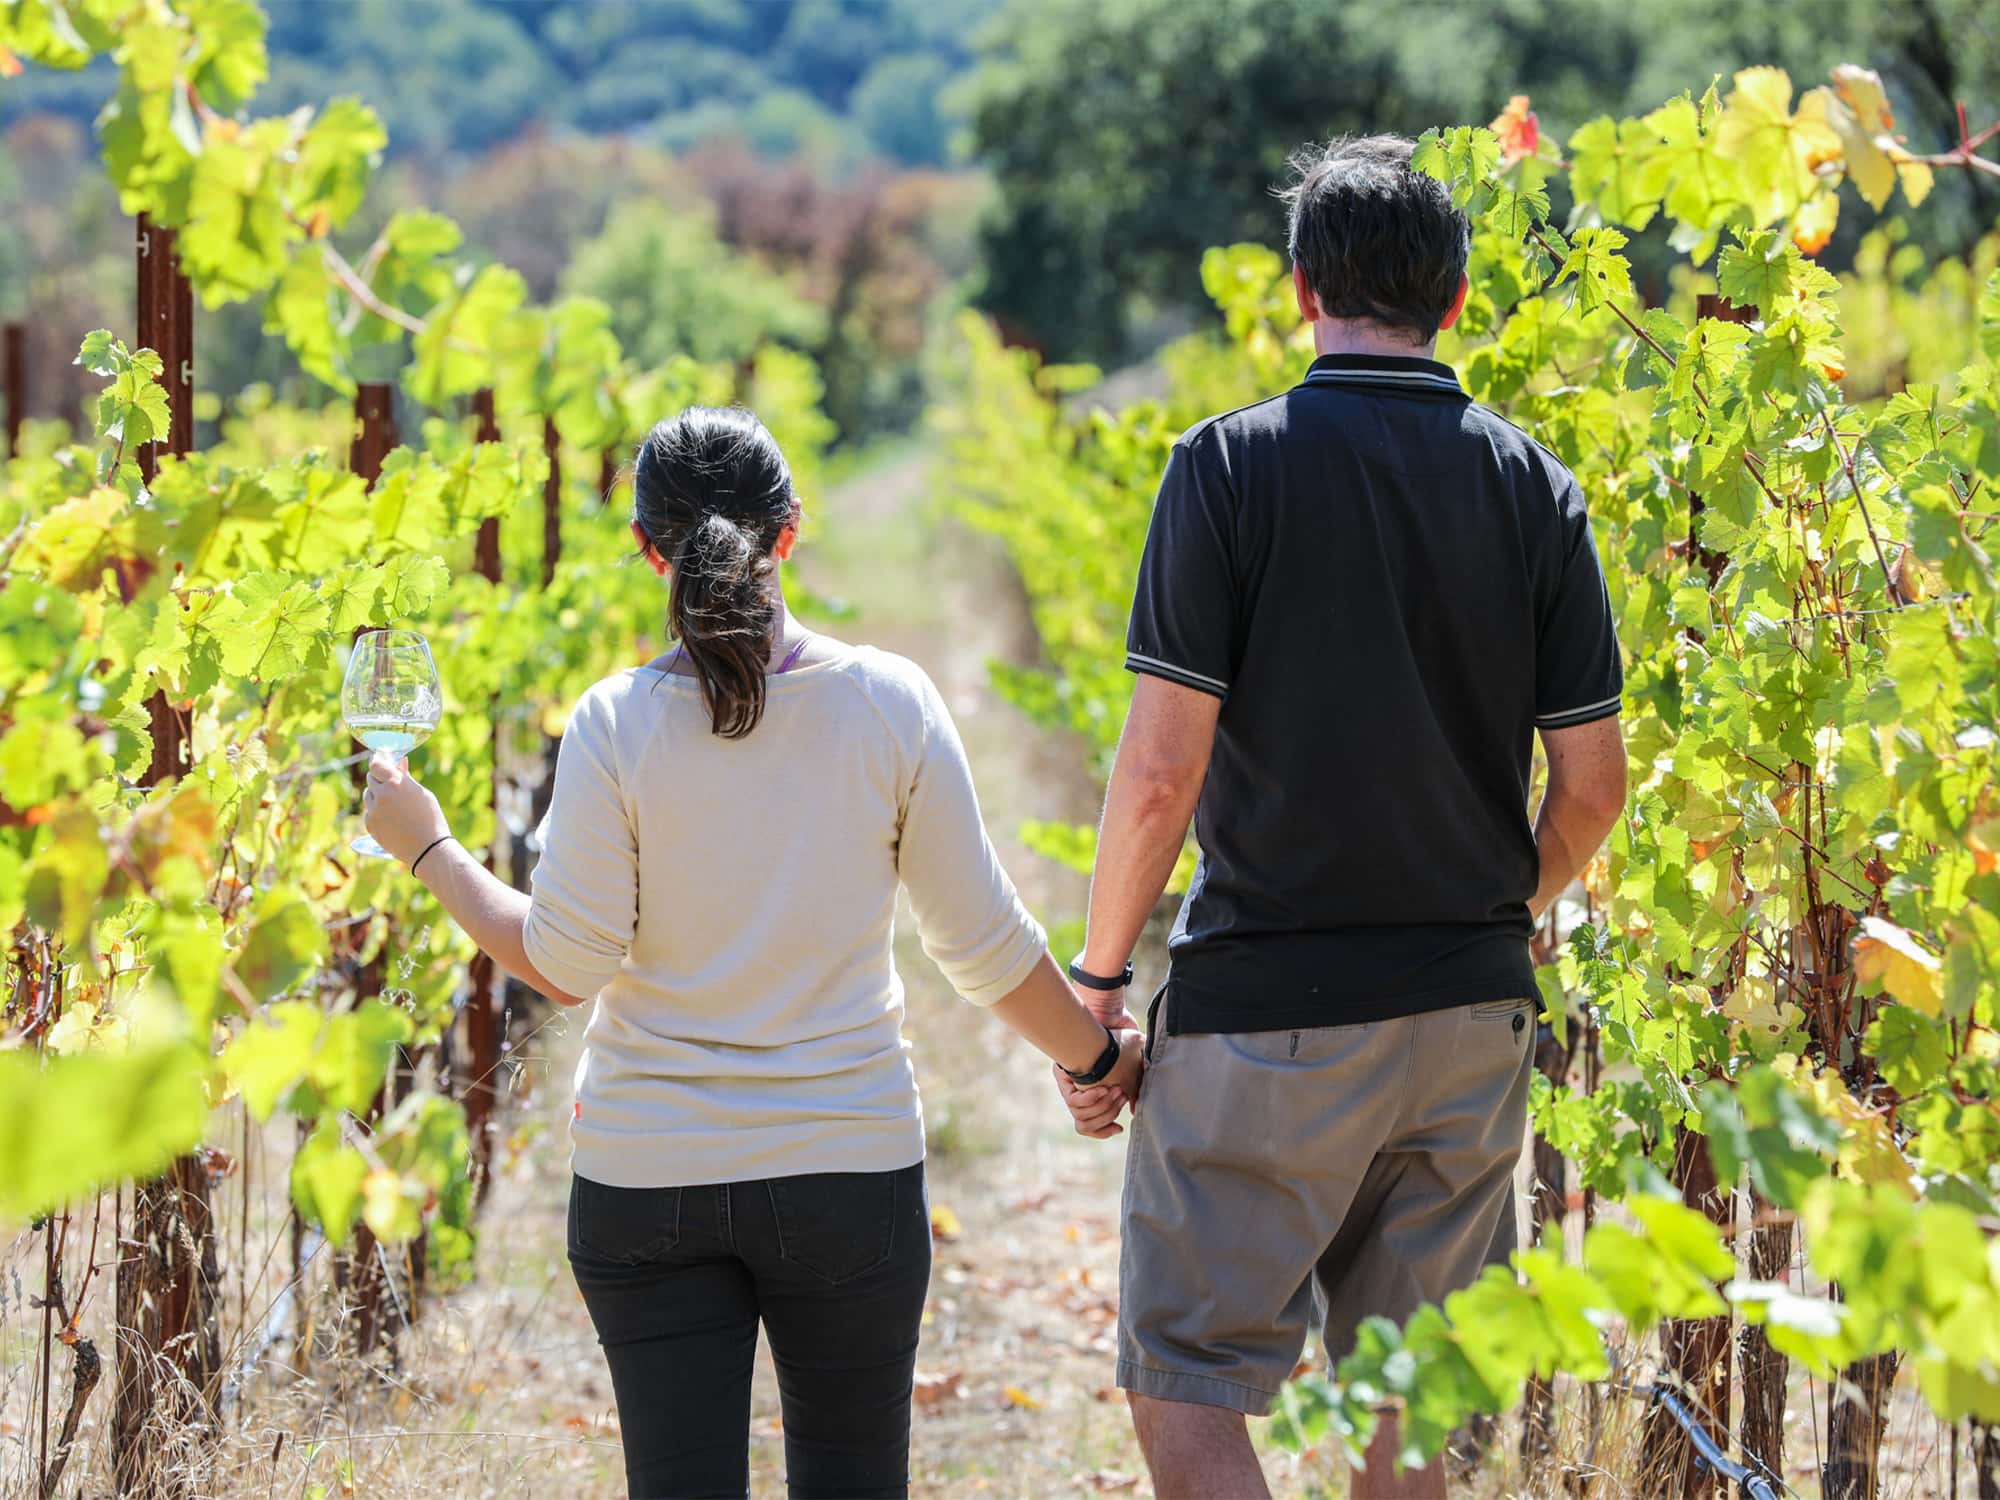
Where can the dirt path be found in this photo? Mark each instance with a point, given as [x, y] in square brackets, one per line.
[1015, 1393]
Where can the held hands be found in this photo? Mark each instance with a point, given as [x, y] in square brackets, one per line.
[399, 811]
[1096, 1109]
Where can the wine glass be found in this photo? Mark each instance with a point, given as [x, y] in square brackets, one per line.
[391, 699]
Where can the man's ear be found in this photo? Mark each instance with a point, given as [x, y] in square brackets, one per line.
[1457, 304]
[1308, 302]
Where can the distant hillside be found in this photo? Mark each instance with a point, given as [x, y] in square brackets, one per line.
[845, 79]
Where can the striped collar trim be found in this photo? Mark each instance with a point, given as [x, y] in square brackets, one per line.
[1383, 370]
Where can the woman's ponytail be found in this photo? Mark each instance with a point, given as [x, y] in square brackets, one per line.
[712, 493]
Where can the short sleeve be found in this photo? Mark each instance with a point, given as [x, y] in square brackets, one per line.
[1579, 676]
[1184, 611]
[585, 888]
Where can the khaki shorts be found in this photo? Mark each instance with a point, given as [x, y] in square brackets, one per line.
[1348, 1170]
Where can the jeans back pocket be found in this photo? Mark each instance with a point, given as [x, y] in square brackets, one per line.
[837, 1225]
[625, 1225]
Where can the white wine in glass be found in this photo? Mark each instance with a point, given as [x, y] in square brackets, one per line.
[391, 699]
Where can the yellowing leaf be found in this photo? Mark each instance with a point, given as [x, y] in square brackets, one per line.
[1867, 1151]
[1858, 111]
[1917, 181]
[1018, 1397]
[1755, 1004]
[1860, 89]
[1778, 151]
[1812, 225]
[1983, 838]
[944, 1223]
[392, 1207]
[1890, 959]
[85, 1028]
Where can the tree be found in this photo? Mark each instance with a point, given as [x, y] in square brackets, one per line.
[674, 288]
[1134, 133]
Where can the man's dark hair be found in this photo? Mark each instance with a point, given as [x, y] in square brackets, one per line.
[1375, 238]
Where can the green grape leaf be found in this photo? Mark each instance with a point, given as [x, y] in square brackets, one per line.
[411, 583]
[1910, 1048]
[354, 1054]
[452, 357]
[285, 944]
[1602, 274]
[1617, 166]
[1464, 158]
[333, 164]
[270, 626]
[327, 1175]
[71, 1124]
[100, 353]
[271, 1054]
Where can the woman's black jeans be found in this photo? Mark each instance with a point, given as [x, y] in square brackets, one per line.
[835, 1266]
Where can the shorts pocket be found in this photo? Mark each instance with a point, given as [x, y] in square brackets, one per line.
[1156, 1021]
[1488, 1010]
[627, 1226]
[836, 1225]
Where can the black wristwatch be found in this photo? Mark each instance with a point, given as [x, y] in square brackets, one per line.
[1084, 979]
[1101, 1069]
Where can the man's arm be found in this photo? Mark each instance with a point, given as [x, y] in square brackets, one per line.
[1155, 782]
[1584, 800]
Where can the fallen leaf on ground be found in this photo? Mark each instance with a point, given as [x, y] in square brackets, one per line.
[1105, 1481]
[1018, 1397]
[935, 1390]
[944, 1223]
[1031, 1205]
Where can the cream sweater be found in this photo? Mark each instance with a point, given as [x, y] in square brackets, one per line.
[731, 905]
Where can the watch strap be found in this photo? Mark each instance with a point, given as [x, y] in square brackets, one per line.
[1084, 979]
[1101, 1069]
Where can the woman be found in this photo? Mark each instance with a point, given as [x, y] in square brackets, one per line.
[719, 869]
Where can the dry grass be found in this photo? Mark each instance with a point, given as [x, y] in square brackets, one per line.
[499, 1389]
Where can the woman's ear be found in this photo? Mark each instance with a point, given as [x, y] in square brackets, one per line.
[648, 551]
[787, 539]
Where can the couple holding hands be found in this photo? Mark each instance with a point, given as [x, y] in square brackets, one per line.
[1360, 602]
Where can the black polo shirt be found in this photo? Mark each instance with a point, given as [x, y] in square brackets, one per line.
[1390, 589]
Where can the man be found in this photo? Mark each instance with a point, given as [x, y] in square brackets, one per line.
[1359, 602]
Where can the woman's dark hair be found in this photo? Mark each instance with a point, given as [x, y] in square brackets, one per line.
[712, 492]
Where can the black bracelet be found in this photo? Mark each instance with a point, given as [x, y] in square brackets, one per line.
[1107, 1061]
[427, 849]
[1084, 979]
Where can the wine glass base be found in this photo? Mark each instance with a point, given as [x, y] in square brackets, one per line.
[366, 845]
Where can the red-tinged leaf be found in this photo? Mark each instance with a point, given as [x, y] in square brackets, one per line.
[1519, 131]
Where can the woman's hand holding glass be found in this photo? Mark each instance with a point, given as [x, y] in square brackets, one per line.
[393, 701]
[401, 813]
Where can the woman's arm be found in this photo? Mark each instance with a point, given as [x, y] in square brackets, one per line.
[406, 818]
[1043, 1010]
[975, 928]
